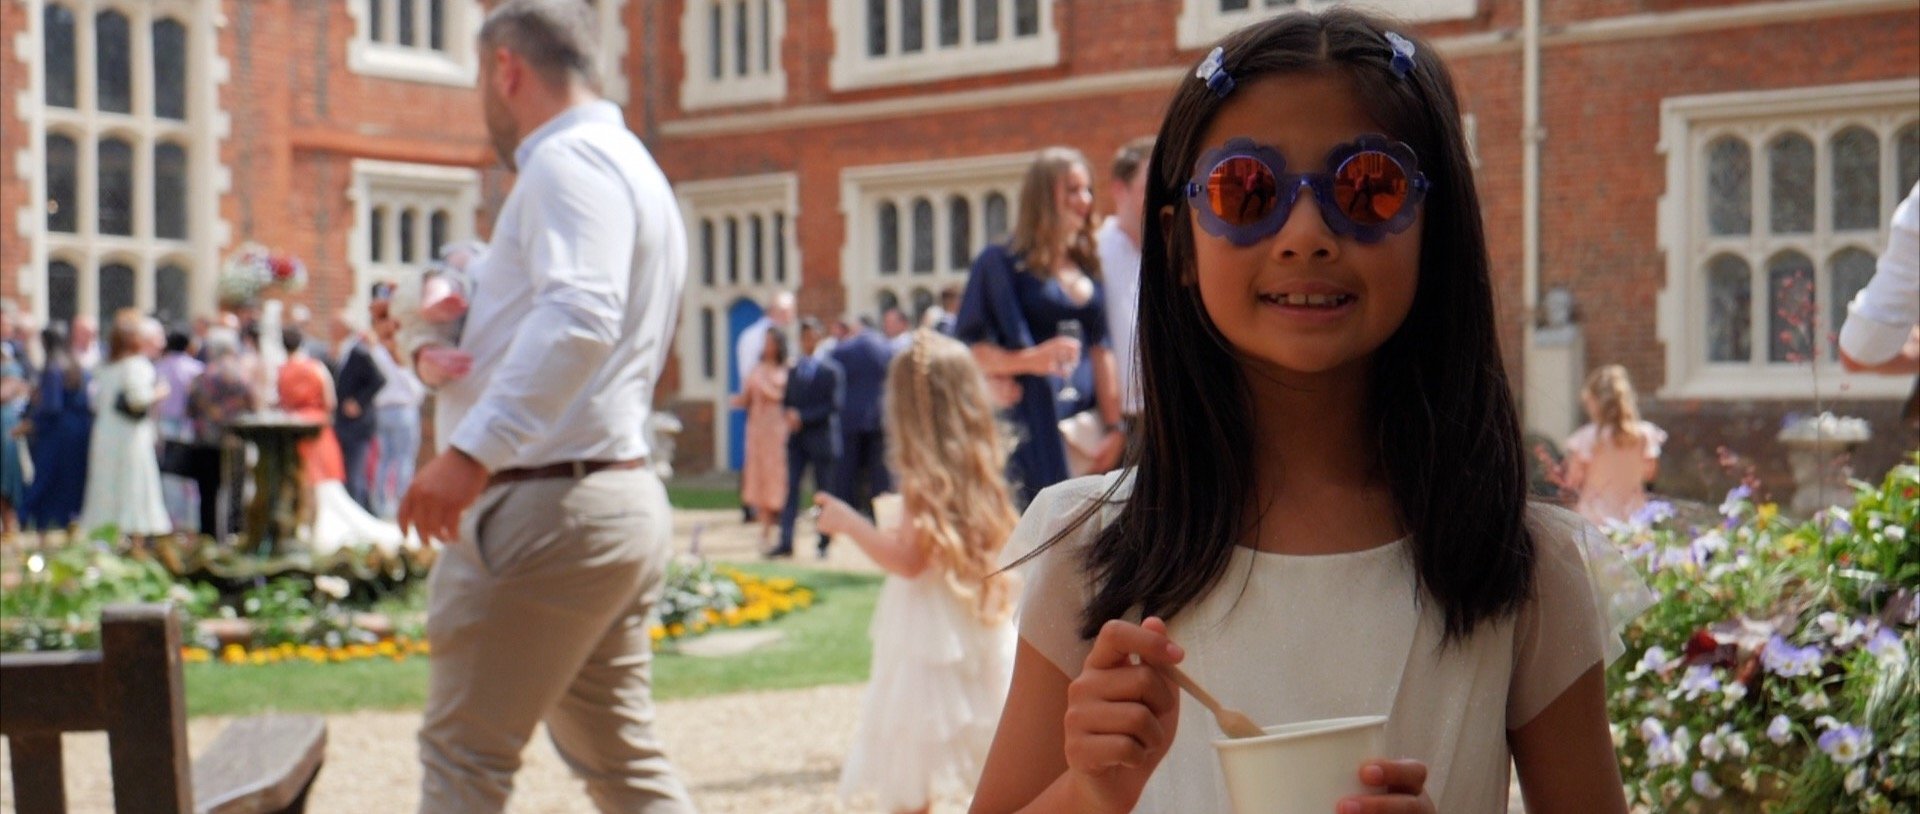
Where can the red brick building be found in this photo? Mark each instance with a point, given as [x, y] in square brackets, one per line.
[1703, 167]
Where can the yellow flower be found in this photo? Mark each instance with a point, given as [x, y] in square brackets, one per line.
[676, 630]
[233, 654]
[387, 648]
[1768, 511]
[195, 655]
[657, 632]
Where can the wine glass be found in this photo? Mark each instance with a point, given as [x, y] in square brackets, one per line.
[1069, 328]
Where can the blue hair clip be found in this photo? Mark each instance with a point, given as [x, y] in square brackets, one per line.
[1213, 71]
[1402, 54]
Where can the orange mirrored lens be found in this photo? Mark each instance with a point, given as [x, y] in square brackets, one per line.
[1370, 188]
[1242, 190]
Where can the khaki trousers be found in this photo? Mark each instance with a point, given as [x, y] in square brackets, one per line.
[539, 613]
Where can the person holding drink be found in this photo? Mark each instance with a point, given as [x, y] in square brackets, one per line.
[1328, 513]
[1033, 311]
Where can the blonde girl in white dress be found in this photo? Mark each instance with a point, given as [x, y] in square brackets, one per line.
[943, 635]
[1326, 513]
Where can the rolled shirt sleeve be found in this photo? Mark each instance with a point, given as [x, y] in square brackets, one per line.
[579, 236]
[1883, 314]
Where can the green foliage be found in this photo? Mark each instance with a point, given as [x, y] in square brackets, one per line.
[1777, 671]
[56, 603]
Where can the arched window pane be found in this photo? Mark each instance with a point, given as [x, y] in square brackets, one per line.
[922, 236]
[889, 229]
[986, 20]
[996, 207]
[1790, 187]
[377, 19]
[1729, 187]
[949, 23]
[766, 36]
[1729, 310]
[170, 294]
[1026, 18]
[170, 191]
[377, 235]
[706, 343]
[922, 300]
[1907, 158]
[437, 25]
[706, 252]
[716, 36]
[780, 246]
[169, 70]
[876, 28]
[1233, 5]
[63, 291]
[1790, 313]
[913, 29]
[740, 38]
[116, 291]
[756, 236]
[1856, 179]
[1851, 270]
[406, 27]
[887, 301]
[437, 231]
[113, 62]
[57, 47]
[409, 226]
[733, 251]
[959, 233]
[116, 187]
[63, 174]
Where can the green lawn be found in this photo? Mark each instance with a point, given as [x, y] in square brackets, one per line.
[824, 644]
[688, 496]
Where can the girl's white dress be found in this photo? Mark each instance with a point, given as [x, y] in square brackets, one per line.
[123, 468]
[939, 679]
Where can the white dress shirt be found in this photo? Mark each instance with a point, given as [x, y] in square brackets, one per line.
[574, 301]
[1120, 274]
[403, 389]
[1883, 314]
[747, 349]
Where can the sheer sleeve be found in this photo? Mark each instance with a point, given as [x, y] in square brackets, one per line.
[1561, 632]
[1057, 588]
[1655, 438]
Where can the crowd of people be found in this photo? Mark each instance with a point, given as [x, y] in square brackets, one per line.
[76, 404]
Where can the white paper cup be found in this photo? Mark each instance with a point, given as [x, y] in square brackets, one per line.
[1303, 768]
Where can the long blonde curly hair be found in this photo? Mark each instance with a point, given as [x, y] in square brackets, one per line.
[947, 449]
[1615, 407]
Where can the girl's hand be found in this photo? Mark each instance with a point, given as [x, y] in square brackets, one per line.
[1121, 713]
[1406, 785]
[836, 517]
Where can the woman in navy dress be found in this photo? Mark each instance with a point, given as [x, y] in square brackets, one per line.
[1017, 299]
[62, 421]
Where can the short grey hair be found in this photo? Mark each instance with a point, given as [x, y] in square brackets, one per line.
[556, 37]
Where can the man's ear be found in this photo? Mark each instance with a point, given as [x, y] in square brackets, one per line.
[508, 71]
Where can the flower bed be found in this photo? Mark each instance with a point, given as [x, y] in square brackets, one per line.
[1777, 672]
[701, 596]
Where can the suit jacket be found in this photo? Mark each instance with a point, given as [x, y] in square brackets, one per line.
[863, 357]
[358, 379]
[817, 390]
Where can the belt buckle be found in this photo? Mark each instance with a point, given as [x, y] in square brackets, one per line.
[579, 469]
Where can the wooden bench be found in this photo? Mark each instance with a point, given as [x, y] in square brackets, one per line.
[133, 689]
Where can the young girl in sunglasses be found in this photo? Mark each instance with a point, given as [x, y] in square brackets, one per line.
[1327, 514]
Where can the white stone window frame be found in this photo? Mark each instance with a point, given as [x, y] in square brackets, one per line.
[613, 49]
[864, 189]
[398, 186]
[200, 133]
[1202, 22]
[456, 64]
[716, 200]
[1688, 125]
[766, 23]
[852, 68]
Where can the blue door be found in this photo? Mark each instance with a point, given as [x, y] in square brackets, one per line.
[742, 313]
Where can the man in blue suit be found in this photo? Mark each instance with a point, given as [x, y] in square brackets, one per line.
[863, 357]
[815, 392]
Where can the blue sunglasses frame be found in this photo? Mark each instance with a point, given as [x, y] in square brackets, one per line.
[1287, 189]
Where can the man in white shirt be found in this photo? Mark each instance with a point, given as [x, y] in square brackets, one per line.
[557, 535]
[753, 338]
[1880, 334]
[1119, 243]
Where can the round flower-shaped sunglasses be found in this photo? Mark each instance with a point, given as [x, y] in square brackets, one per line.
[1372, 188]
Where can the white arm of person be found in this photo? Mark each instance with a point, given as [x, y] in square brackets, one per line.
[1879, 334]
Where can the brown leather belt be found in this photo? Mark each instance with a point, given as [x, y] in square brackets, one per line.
[564, 469]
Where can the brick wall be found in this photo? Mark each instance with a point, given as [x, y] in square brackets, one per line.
[15, 253]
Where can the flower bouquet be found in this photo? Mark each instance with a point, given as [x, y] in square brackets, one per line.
[251, 272]
[1777, 672]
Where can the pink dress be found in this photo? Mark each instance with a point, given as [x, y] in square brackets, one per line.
[1611, 477]
[764, 479]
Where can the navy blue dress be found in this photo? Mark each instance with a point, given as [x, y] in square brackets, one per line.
[1010, 307]
[62, 426]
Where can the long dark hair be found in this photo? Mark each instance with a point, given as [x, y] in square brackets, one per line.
[1437, 396]
[57, 344]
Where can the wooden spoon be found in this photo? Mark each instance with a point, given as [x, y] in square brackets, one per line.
[1231, 721]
